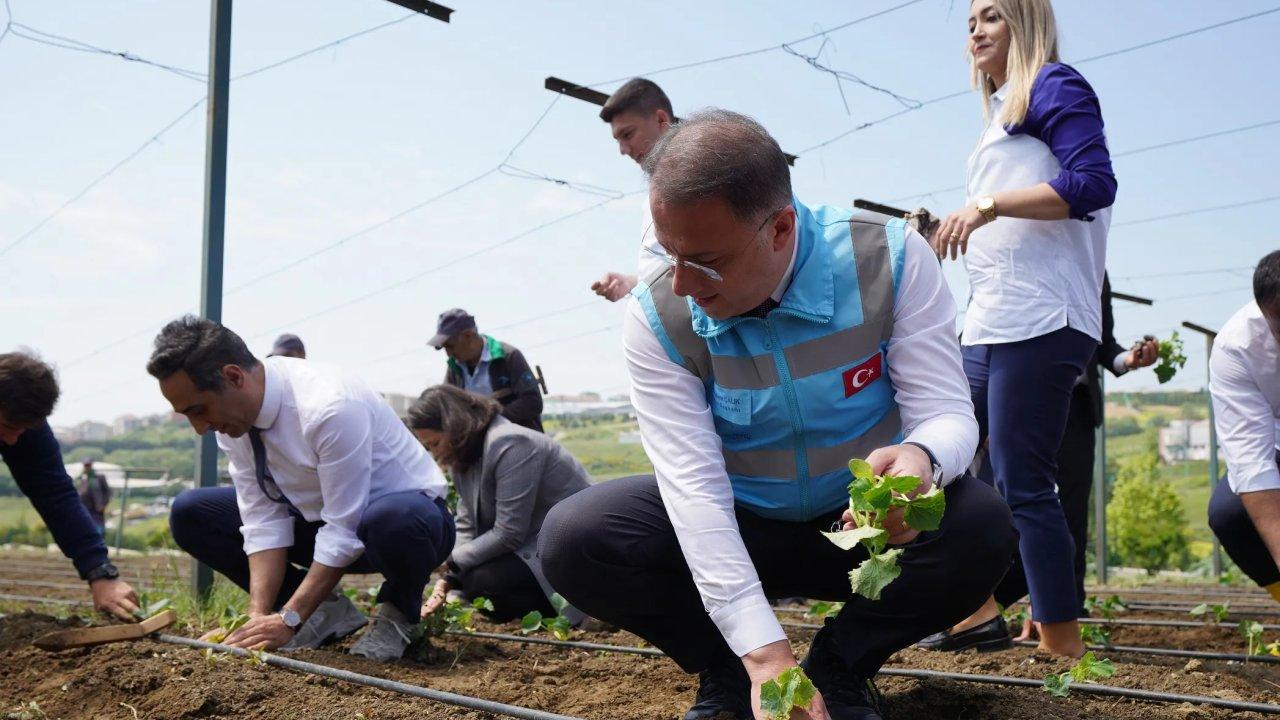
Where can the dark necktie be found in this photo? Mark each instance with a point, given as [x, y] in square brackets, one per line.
[761, 310]
[260, 469]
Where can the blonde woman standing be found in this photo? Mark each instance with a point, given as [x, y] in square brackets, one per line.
[1033, 235]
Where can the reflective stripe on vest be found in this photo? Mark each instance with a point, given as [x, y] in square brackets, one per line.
[796, 395]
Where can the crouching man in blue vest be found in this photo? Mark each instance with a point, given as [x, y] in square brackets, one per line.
[777, 342]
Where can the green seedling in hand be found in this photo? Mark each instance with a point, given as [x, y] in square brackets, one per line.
[1215, 613]
[871, 497]
[1171, 358]
[791, 689]
[1086, 670]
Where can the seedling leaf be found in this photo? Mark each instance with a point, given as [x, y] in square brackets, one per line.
[860, 469]
[1058, 685]
[558, 602]
[848, 539]
[531, 622]
[924, 512]
[871, 577]
[791, 689]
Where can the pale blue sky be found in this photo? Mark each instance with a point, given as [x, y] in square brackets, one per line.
[341, 140]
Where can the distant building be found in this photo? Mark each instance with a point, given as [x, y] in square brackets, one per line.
[89, 431]
[126, 424]
[629, 438]
[1184, 440]
[399, 403]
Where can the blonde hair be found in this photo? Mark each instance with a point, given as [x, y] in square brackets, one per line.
[1033, 43]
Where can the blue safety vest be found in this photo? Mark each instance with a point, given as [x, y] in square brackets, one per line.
[798, 393]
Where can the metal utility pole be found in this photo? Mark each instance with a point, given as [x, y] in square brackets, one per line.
[1100, 466]
[215, 210]
[1209, 336]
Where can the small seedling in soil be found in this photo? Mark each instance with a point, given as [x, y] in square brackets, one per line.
[1171, 358]
[1015, 616]
[30, 711]
[229, 626]
[559, 626]
[871, 497]
[1214, 614]
[791, 689]
[1251, 631]
[150, 603]
[1086, 670]
[822, 609]
[1273, 648]
[1095, 635]
[1107, 609]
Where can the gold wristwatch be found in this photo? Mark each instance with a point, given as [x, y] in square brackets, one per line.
[987, 206]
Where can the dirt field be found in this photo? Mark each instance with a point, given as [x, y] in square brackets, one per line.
[149, 679]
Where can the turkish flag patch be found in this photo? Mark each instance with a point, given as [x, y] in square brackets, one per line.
[857, 378]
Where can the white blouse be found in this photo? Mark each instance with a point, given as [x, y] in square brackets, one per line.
[1028, 277]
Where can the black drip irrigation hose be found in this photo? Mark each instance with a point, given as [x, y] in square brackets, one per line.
[1088, 688]
[1171, 652]
[440, 696]
[934, 674]
[1236, 610]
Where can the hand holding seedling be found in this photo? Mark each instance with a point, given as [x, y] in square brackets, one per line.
[436, 599]
[898, 461]
[115, 597]
[262, 632]
[1144, 352]
[773, 672]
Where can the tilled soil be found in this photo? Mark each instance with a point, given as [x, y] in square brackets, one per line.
[165, 681]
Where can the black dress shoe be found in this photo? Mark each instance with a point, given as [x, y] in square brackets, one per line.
[848, 695]
[724, 693]
[990, 636]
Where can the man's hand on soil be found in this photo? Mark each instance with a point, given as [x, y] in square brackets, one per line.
[116, 598]
[263, 632]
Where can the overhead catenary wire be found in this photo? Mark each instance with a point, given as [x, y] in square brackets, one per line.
[155, 137]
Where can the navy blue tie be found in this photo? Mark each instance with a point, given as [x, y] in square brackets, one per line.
[260, 469]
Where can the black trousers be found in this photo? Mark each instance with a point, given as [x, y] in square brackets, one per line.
[509, 584]
[611, 551]
[1239, 537]
[1074, 478]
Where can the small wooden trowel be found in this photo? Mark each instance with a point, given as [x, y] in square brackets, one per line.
[85, 637]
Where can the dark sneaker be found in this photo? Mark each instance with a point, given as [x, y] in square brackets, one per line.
[848, 695]
[724, 693]
[990, 636]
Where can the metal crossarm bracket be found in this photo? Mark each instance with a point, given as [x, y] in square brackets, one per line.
[430, 9]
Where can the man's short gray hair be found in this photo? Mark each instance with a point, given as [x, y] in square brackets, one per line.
[716, 153]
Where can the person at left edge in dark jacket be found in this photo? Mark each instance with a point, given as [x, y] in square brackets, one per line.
[485, 366]
[28, 392]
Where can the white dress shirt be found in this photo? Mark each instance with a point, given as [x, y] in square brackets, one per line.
[680, 437]
[1244, 379]
[333, 445]
[648, 262]
[1028, 277]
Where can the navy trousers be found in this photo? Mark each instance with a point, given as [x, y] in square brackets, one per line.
[1021, 393]
[406, 535]
[1239, 537]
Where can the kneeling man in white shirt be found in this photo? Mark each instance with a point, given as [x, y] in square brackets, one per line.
[324, 475]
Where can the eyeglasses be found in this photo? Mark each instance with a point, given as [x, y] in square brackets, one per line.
[708, 272]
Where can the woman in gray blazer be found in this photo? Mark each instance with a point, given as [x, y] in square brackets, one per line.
[507, 478]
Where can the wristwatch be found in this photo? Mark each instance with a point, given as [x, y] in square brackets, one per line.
[105, 571]
[933, 461]
[291, 618]
[987, 206]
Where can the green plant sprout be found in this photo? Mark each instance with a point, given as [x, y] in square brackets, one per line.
[1171, 358]
[791, 689]
[1251, 631]
[822, 609]
[1095, 635]
[1015, 616]
[1214, 614]
[559, 626]
[1089, 668]
[871, 497]
[1107, 609]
